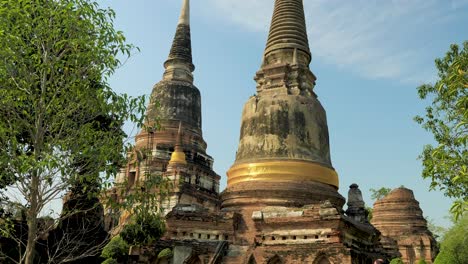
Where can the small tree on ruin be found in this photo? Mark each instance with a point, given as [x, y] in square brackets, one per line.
[377, 194]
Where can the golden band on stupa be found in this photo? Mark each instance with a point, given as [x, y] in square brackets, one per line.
[288, 170]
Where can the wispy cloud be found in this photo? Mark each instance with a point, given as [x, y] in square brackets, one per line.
[376, 39]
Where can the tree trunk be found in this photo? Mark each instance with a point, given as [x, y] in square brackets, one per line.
[33, 212]
[32, 220]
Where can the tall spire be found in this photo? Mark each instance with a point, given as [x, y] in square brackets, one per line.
[288, 28]
[179, 64]
[177, 97]
[287, 55]
[185, 13]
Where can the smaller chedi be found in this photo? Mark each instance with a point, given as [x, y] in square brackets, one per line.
[356, 206]
[398, 217]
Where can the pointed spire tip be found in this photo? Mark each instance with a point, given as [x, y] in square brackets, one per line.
[185, 13]
[288, 27]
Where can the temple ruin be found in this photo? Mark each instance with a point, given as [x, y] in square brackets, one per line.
[281, 204]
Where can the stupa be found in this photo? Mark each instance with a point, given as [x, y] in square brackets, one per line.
[176, 151]
[398, 216]
[284, 154]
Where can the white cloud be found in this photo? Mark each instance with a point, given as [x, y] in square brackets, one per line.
[373, 38]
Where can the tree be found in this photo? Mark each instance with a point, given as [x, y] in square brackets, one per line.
[447, 119]
[145, 203]
[144, 230]
[146, 224]
[377, 194]
[60, 122]
[454, 246]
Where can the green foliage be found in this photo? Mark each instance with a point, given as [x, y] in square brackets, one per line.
[110, 261]
[422, 261]
[165, 253]
[56, 106]
[445, 164]
[370, 213]
[145, 198]
[397, 261]
[145, 229]
[60, 122]
[377, 194]
[117, 248]
[454, 246]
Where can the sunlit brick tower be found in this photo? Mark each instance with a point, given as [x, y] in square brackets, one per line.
[283, 185]
[399, 218]
[177, 150]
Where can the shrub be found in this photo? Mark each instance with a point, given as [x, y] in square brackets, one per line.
[145, 230]
[165, 253]
[110, 261]
[117, 248]
[397, 261]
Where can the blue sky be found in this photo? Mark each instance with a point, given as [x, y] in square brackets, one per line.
[368, 55]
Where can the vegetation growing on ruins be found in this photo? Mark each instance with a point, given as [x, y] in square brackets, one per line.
[115, 250]
[377, 194]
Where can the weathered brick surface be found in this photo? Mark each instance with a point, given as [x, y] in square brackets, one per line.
[399, 217]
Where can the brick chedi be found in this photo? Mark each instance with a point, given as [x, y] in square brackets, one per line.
[284, 155]
[177, 150]
[282, 186]
[399, 217]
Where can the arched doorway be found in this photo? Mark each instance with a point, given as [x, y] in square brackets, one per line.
[322, 260]
[275, 260]
[193, 260]
[164, 260]
[411, 254]
[252, 260]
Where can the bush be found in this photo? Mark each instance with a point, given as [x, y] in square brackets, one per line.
[454, 246]
[110, 261]
[397, 261]
[165, 253]
[117, 248]
[145, 230]
[422, 261]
